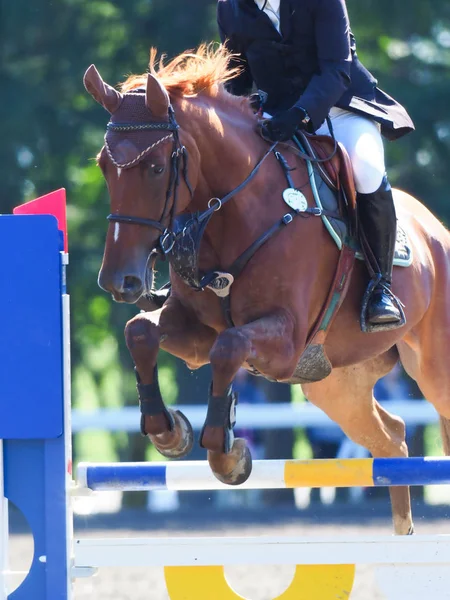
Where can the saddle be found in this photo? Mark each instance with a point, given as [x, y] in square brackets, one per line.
[334, 169]
[336, 190]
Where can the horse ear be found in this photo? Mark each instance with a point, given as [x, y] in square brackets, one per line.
[156, 97]
[103, 93]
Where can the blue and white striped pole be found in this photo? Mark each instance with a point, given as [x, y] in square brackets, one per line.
[266, 474]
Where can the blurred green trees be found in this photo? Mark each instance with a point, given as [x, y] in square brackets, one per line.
[51, 130]
[51, 133]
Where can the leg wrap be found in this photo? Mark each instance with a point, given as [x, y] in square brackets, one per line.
[150, 400]
[222, 413]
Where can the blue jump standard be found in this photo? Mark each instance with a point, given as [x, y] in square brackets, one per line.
[31, 401]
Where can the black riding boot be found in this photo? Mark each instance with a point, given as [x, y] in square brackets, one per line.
[378, 223]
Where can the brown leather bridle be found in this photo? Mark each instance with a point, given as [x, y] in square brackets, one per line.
[178, 162]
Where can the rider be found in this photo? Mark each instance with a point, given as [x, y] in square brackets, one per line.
[301, 56]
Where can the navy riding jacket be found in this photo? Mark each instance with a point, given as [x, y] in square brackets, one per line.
[312, 63]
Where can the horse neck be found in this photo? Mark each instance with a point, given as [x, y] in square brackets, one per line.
[227, 156]
[229, 149]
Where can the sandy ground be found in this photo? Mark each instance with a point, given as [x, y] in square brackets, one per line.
[253, 583]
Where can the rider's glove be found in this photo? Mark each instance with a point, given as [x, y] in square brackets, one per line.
[283, 126]
[257, 101]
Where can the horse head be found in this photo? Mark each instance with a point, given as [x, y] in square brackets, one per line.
[143, 161]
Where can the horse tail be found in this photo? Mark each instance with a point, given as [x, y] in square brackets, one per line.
[445, 433]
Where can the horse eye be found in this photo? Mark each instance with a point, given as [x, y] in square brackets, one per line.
[157, 170]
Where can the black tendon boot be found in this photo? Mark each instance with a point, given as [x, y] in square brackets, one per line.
[378, 230]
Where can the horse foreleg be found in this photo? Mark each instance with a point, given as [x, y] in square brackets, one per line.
[346, 397]
[177, 331]
[267, 343]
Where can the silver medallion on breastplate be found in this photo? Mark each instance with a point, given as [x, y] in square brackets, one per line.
[295, 199]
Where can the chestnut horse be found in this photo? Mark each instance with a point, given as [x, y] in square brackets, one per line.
[182, 110]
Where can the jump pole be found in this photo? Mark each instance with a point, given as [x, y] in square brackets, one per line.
[35, 473]
[266, 474]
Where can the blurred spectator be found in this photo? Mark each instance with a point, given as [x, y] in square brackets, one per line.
[278, 443]
[246, 386]
[393, 386]
[326, 442]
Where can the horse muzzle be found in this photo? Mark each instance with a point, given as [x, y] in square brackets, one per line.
[125, 287]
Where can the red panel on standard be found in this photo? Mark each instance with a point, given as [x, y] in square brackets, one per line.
[50, 204]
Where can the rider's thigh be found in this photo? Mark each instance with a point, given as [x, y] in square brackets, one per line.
[362, 139]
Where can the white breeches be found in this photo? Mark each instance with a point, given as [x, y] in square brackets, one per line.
[362, 139]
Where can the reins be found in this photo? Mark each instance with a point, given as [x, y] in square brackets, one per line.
[311, 158]
[221, 201]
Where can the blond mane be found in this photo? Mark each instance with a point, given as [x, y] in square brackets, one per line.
[203, 71]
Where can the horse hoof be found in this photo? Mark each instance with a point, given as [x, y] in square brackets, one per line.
[181, 438]
[233, 468]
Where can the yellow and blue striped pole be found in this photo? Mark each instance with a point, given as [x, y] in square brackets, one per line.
[266, 474]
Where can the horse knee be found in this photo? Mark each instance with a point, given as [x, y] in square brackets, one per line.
[399, 427]
[142, 335]
[391, 441]
[230, 350]
[395, 426]
[381, 433]
[441, 404]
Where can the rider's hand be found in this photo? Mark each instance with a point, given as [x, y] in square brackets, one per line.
[283, 126]
[256, 103]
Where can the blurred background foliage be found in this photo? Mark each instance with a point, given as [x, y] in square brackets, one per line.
[51, 131]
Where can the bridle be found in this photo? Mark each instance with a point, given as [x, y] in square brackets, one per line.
[178, 162]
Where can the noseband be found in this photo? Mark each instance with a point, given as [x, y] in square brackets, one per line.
[178, 162]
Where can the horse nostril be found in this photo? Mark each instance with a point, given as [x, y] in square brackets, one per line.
[132, 284]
